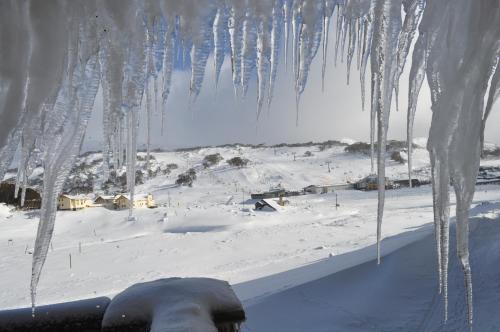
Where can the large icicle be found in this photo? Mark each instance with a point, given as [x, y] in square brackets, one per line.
[249, 51]
[276, 33]
[310, 33]
[458, 68]
[417, 75]
[235, 24]
[264, 51]
[69, 118]
[367, 46]
[220, 40]
[413, 10]
[328, 12]
[387, 25]
[287, 12]
[14, 46]
[202, 46]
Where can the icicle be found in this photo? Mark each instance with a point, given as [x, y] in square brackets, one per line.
[360, 38]
[346, 24]
[248, 55]
[131, 158]
[340, 19]
[417, 75]
[287, 9]
[23, 188]
[386, 29]
[160, 29]
[328, 12]
[296, 30]
[14, 43]
[236, 36]
[351, 47]
[149, 115]
[275, 45]
[264, 50]
[65, 136]
[373, 119]
[413, 10]
[219, 30]
[311, 26]
[367, 46]
[202, 46]
[19, 177]
[309, 41]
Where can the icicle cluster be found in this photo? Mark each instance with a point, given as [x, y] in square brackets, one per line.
[54, 55]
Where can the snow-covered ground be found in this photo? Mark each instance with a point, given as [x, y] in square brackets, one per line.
[212, 231]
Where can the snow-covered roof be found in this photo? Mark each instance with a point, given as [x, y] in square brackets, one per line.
[106, 197]
[75, 196]
[136, 196]
[272, 203]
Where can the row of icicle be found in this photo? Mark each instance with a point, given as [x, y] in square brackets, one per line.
[59, 53]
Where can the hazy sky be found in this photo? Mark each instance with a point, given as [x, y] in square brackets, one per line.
[218, 118]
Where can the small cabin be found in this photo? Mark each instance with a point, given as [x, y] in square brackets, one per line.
[105, 200]
[319, 189]
[73, 203]
[32, 198]
[122, 201]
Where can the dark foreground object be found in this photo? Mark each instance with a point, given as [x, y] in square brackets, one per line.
[81, 316]
[175, 304]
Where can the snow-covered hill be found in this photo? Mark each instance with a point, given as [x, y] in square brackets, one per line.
[211, 229]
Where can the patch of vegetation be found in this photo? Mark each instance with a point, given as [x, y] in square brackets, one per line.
[358, 147]
[391, 147]
[172, 166]
[212, 160]
[187, 178]
[330, 144]
[238, 162]
[308, 154]
[143, 157]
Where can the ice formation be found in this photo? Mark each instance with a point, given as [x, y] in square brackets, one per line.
[54, 55]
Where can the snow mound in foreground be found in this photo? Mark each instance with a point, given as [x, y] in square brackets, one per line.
[174, 304]
[399, 295]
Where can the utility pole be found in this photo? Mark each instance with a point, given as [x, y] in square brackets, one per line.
[329, 169]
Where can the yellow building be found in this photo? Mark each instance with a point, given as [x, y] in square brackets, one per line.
[70, 202]
[122, 201]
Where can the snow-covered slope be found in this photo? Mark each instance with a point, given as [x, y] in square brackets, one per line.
[211, 230]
